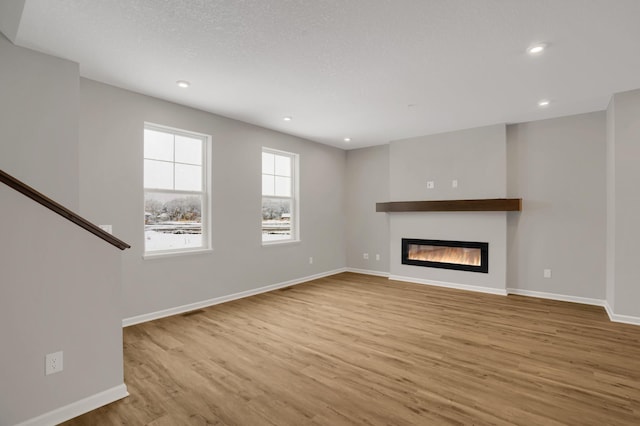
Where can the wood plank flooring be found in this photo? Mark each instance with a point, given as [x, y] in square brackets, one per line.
[360, 350]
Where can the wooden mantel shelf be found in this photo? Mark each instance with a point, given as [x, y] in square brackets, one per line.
[482, 205]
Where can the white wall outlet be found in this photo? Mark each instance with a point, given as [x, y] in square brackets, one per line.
[431, 184]
[377, 257]
[53, 363]
[106, 228]
[365, 256]
[310, 260]
[454, 183]
[547, 273]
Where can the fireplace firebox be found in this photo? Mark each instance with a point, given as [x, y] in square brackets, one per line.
[457, 255]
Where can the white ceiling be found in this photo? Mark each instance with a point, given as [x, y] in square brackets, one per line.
[372, 70]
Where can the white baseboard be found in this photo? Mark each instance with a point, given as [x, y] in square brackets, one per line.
[217, 300]
[77, 408]
[368, 272]
[479, 289]
[555, 296]
[627, 319]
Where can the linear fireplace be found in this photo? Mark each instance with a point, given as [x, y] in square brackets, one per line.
[458, 255]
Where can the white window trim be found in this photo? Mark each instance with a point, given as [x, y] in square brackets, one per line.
[207, 186]
[295, 206]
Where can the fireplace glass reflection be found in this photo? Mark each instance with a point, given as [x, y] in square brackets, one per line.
[457, 255]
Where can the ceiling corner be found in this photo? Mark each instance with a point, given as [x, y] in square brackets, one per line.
[10, 17]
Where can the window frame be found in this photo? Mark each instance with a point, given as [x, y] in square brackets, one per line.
[205, 192]
[295, 196]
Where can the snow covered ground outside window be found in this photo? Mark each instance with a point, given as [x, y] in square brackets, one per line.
[172, 236]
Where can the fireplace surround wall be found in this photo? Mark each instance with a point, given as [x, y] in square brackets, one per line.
[476, 160]
[489, 227]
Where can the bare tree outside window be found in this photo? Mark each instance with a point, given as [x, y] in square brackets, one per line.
[175, 185]
[279, 200]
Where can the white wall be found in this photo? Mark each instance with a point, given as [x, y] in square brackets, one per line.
[367, 182]
[557, 167]
[624, 204]
[39, 121]
[477, 159]
[111, 147]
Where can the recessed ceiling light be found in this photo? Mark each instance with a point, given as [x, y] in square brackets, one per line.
[536, 49]
[183, 83]
[287, 118]
[543, 103]
[347, 139]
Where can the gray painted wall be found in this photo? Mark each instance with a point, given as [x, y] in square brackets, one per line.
[610, 209]
[477, 159]
[111, 147]
[59, 285]
[367, 182]
[557, 167]
[10, 16]
[60, 291]
[626, 201]
[39, 113]
[39, 121]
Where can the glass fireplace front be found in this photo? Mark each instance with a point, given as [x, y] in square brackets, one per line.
[458, 255]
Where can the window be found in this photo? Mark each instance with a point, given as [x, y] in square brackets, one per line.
[176, 195]
[279, 196]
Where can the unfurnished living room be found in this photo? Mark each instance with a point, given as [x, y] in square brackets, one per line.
[328, 212]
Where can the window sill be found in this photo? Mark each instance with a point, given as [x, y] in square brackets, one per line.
[165, 254]
[279, 243]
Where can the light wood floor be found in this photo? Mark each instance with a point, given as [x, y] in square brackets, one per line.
[359, 350]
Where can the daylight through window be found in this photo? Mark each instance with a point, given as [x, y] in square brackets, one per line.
[175, 190]
[279, 200]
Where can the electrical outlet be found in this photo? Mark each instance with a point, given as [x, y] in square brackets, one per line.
[547, 273]
[310, 260]
[377, 257]
[431, 184]
[365, 256]
[53, 363]
[454, 183]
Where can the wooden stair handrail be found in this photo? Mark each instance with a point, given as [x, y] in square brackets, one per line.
[61, 210]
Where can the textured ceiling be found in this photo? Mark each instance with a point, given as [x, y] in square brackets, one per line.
[372, 70]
